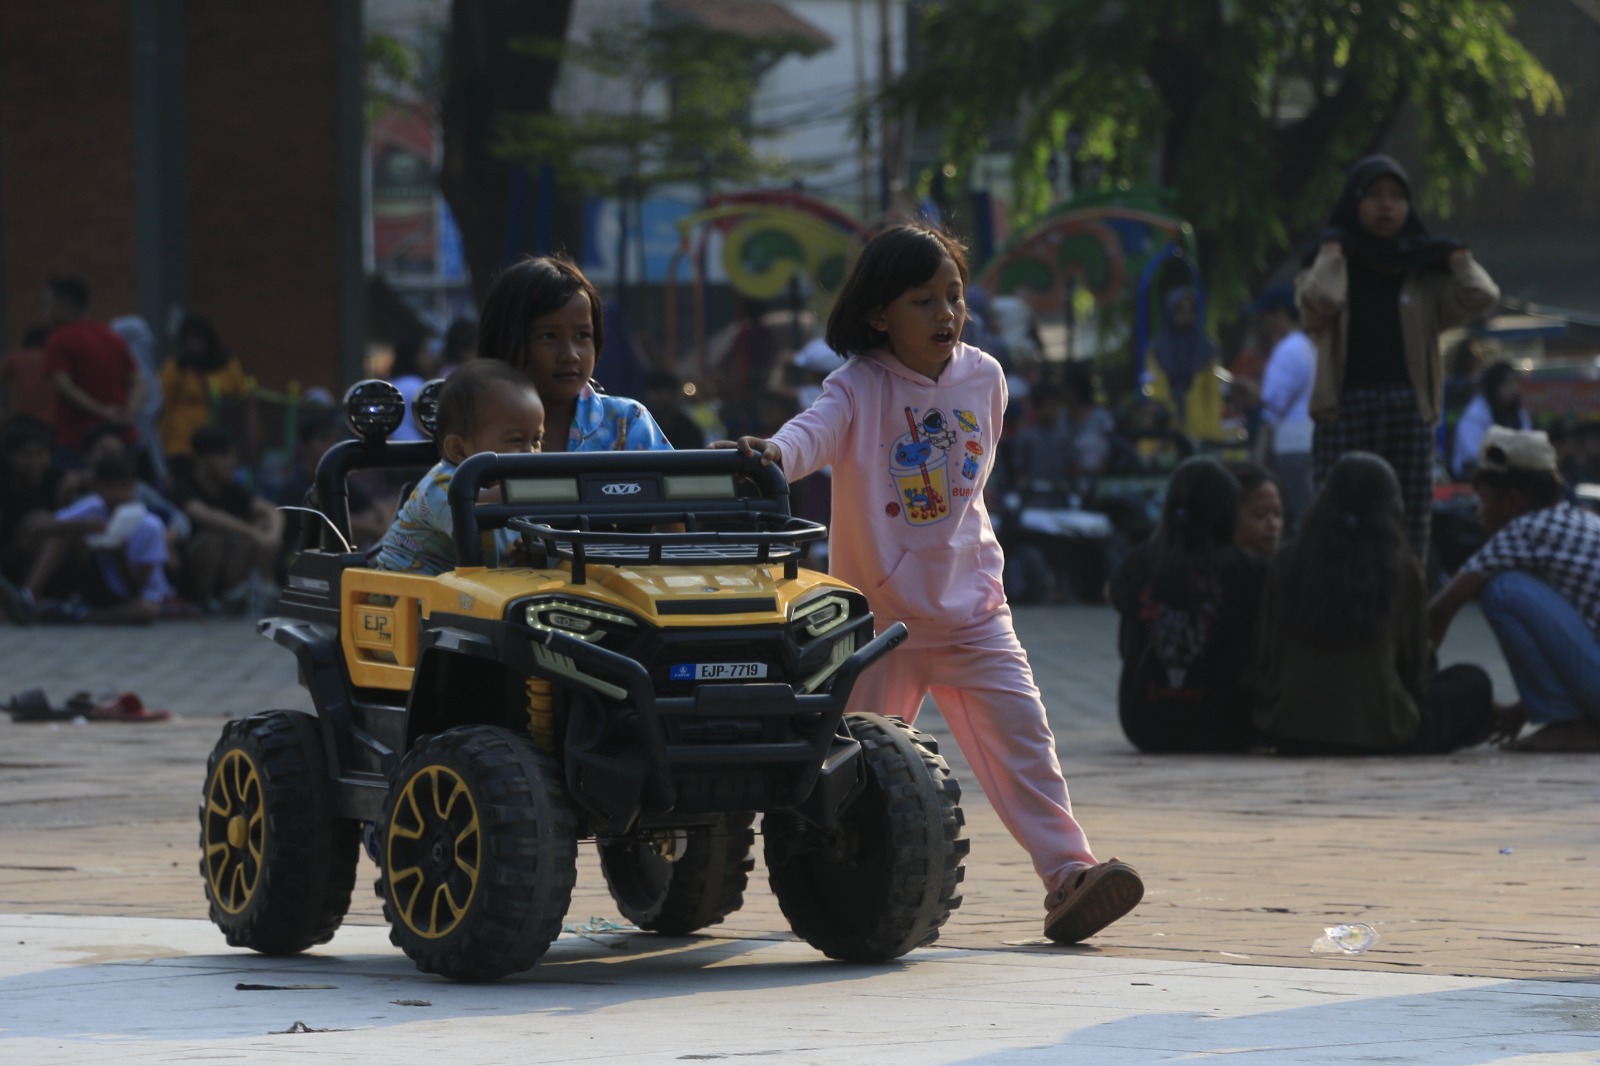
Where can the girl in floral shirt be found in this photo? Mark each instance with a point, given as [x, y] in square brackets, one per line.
[545, 318]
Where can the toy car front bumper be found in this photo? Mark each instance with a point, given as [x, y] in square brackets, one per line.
[718, 726]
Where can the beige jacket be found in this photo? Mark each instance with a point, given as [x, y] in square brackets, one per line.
[1431, 301]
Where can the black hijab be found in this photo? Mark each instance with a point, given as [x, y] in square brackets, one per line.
[1411, 248]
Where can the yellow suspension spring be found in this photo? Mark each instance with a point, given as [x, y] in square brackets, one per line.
[541, 717]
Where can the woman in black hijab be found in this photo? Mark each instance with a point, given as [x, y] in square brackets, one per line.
[1377, 291]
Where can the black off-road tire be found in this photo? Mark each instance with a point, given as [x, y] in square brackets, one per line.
[883, 880]
[278, 866]
[701, 887]
[478, 853]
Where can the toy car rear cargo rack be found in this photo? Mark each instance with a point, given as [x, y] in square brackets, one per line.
[770, 538]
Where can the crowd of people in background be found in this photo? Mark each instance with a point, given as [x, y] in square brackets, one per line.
[1329, 643]
[123, 498]
[1279, 603]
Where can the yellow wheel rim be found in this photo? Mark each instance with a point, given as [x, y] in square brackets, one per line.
[235, 831]
[433, 852]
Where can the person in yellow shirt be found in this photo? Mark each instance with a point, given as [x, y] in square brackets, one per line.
[200, 367]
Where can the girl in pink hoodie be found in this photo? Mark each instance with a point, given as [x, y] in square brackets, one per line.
[909, 426]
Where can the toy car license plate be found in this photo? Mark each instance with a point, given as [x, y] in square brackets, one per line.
[717, 671]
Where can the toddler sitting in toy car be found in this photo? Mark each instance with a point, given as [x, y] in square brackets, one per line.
[486, 406]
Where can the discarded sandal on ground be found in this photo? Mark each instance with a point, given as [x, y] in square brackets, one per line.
[34, 706]
[126, 707]
[1093, 898]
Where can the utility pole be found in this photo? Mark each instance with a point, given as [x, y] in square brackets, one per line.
[863, 153]
[888, 137]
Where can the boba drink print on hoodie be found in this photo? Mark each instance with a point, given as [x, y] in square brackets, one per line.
[925, 467]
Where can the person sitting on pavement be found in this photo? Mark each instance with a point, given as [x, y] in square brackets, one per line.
[105, 552]
[320, 429]
[1040, 453]
[1188, 601]
[30, 491]
[1498, 403]
[1260, 526]
[1088, 426]
[105, 442]
[1342, 664]
[486, 406]
[1537, 580]
[236, 533]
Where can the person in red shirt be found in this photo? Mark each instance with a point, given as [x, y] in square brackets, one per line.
[96, 378]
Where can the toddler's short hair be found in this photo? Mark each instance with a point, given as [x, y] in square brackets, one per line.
[464, 390]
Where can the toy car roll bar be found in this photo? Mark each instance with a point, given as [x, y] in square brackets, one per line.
[647, 487]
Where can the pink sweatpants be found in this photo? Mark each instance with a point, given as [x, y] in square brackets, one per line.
[986, 694]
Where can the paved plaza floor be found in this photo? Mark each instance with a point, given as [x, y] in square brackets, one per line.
[1478, 871]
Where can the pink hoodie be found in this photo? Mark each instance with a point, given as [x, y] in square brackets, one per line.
[910, 458]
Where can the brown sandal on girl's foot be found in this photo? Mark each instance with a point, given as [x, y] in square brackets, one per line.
[1093, 898]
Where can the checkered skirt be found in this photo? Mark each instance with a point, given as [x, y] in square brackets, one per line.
[1384, 420]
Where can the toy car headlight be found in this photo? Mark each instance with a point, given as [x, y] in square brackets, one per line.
[374, 409]
[821, 616]
[575, 619]
[425, 408]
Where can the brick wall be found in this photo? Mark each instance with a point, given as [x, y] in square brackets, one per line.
[66, 156]
[261, 171]
[262, 183]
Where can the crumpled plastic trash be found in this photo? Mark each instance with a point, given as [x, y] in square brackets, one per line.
[1349, 939]
[598, 925]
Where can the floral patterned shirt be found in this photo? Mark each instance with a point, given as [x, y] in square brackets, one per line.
[613, 424]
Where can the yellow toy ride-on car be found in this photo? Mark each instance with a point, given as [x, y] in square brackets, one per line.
[653, 691]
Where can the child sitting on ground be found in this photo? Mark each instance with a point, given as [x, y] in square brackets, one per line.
[1260, 527]
[30, 491]
[1188, 602]
[108, 553]
[486, 406]
[1342, 663]
[235, 530]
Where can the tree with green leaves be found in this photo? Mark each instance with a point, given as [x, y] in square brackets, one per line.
[706, 132]
[1247, 112]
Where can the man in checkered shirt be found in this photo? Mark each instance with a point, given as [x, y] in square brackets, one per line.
[1538, 582]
